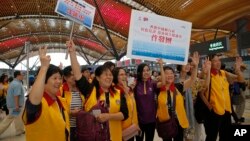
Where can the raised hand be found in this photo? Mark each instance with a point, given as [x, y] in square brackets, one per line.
[44, 59]
[195, 59]
[160, 61]
[70, 45]
[206, 66]
[238, 63]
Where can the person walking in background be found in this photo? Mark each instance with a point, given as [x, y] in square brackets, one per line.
[15, 104]
[145, 96]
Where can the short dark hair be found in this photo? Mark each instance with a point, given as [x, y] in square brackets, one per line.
[211, 56]
[109, 64]
[168, 68]
[67, 71]
[3, 76]
[84, 68]
[51, 70]
[16, 73]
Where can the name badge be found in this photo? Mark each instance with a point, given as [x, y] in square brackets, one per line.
[118, 102]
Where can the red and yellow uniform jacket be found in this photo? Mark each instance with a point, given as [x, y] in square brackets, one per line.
[162, 108]
[49, 124]
[115, 127]
[219, 93]
[65, 93]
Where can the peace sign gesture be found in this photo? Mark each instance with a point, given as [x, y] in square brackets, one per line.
[195, 59]
[206, 66]
[44, 59]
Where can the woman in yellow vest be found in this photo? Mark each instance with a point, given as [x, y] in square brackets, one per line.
[3, 92]
[163, 108]
[73, 98]
[45, 116]
[219, 119]
[120, 81]
[101, 90]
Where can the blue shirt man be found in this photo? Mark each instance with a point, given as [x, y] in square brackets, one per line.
[15, 104]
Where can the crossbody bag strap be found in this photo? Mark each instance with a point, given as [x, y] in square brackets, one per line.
[209, 89]
[169, 102]
[132, 101]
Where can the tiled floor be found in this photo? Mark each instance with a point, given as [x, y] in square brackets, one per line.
[9, 135]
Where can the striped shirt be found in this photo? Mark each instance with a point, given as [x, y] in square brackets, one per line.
[76, 102]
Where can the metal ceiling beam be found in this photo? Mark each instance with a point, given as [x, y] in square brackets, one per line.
[14, 65]
[112, 52]
[100, 58]
[35, 63]
[106, 29]
[5, 24]
[122, 54]
[7, 63]
[215, 35]
[86, 58]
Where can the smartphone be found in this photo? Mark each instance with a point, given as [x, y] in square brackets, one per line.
[131, 80]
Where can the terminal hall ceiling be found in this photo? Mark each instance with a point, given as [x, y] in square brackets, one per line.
[35, 21]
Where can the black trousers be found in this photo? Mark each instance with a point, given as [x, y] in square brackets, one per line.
[73, 134]
[148, 130]
[217, 124]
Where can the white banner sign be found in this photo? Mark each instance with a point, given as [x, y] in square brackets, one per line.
[77, 10]
[152, 36]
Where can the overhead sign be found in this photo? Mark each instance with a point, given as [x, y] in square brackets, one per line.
[77, 10]
[211, 47]
[152, 36]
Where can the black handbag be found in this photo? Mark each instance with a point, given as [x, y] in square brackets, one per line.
[168, 129]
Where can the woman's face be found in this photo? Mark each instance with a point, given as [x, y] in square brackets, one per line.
[122, 78]
[169, 74]
[186, 68]
[145, 73]
[216, 63]
[53, 84]
[105, 79]
[70, 79]
[5, 79]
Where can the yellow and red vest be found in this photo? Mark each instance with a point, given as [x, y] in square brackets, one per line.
[115, 127]
[68, 96]
[132, 112]
[162, 108]
[50, 126]
[3, 92]
[219, 93]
